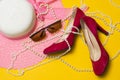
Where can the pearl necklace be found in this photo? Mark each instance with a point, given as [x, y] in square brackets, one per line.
[62, 60]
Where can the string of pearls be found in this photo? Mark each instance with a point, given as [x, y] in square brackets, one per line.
[21, 72]
[105, 42]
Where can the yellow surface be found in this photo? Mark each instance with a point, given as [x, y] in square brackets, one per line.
[79, 56]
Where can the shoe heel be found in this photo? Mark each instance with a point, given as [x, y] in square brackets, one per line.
[102, 30]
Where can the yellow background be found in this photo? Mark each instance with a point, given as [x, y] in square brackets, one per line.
[79, 56]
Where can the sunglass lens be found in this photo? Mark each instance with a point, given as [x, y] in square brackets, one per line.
[54, 27]
[38, 35]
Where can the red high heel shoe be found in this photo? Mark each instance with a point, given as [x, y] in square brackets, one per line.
[67, 40]
[98, 54]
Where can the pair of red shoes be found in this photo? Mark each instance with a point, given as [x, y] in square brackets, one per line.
[99, 56]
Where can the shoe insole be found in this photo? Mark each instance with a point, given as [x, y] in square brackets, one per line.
[93, 46]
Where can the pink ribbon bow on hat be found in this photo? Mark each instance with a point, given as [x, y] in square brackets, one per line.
[41, 7]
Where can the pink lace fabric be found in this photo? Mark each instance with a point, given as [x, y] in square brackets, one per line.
[27, 58]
